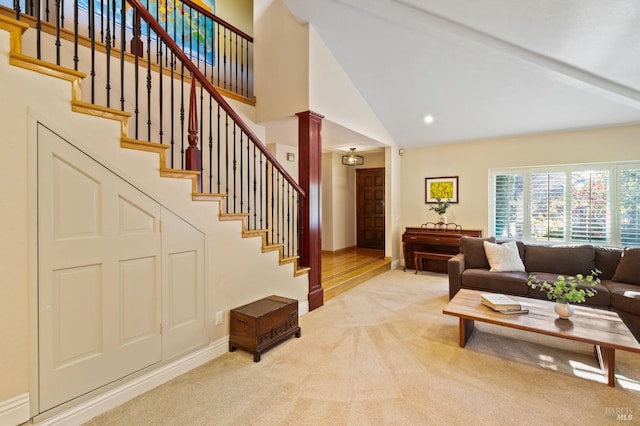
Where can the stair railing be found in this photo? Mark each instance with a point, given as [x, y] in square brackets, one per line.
[173, 102]
[223, 52]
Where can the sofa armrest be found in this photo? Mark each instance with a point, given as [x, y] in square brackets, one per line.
[455, 267]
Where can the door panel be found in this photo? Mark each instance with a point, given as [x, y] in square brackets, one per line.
[370, 208]
[99, 274]
[183, 288]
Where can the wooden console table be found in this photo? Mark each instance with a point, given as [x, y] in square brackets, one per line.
[433, 247]
[259, 325]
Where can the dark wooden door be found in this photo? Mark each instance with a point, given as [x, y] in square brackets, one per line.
[370, 208]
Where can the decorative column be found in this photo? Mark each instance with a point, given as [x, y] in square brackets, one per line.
[310, 174]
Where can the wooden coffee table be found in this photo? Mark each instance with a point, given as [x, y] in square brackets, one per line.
[604, 329]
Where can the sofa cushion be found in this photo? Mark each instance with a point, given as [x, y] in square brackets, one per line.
[601, 298]
[565, 260]
[500, 282]
[624, 297]
[628, 270]
[503, 257]
[473, 250]
[607, 259]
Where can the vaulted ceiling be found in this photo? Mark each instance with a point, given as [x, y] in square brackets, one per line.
[485, 68]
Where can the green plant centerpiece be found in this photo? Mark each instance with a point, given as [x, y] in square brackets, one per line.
[441, 208]
[565, 289]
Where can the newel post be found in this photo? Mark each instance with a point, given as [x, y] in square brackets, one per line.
[193, 152]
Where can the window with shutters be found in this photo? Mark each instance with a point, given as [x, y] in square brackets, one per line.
[587, 203]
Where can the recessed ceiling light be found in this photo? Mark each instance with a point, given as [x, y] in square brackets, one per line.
[428, 119]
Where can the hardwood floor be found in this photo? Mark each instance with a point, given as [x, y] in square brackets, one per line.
[346, 269]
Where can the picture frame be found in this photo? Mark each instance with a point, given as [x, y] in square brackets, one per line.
[444, 187]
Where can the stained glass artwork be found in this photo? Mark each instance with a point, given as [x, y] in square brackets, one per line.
[191, 30]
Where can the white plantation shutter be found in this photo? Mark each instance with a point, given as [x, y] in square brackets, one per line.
[509, 206]
[629, 205]
[547, 206]
[590, 217]
[583, 203]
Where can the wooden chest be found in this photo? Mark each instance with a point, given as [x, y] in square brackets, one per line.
[259, 325]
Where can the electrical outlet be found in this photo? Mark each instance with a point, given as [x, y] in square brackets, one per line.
[218, 317]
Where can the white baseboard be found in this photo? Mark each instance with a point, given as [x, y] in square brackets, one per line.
[303, 308]
[14, 411]
[121, 394]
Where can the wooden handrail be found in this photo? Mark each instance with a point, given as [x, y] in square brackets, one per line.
[204, 82]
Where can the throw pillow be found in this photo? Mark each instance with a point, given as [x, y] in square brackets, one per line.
[503, 257]
[473, 250]
[628, 270]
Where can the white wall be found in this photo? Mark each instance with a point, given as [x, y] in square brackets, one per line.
[281, 151]
[238, 13]
[333, 94]
[281, 61]
[471, 163]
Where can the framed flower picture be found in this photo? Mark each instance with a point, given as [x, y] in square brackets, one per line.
[444, 188]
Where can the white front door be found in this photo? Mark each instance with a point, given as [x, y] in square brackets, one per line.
[99, 274]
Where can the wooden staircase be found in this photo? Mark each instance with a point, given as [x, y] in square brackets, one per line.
[17, 58]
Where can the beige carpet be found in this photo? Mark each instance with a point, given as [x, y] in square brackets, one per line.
[384, 354]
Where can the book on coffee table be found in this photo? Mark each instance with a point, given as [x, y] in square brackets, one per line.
[499, 302]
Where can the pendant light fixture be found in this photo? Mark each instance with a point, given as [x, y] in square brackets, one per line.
[352, 159]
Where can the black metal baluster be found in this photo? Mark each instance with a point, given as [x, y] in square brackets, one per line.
[249, 182]
[108, 56]
[262, 189]
[75, 35]
[92, 34]
[61, 13]
[114, 7]
[241, 175]
[16, 8]
[182, 115]
[101, 22]
[46, 14]
[224, 73]
[242, 66]
[211, 143]
[148, 80]
[172, 125]
[57, 42]
[300, 227]
[38, 31]
[249, 92]
[201, 131]
[161, 87]
[173, 70]
[226, 164]
[236, 63]
[235, 167]
[282, 218]
[288, 220]
[136, 71]
[123, 47]
[218, 54]
[255, 187]
[218, 144]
